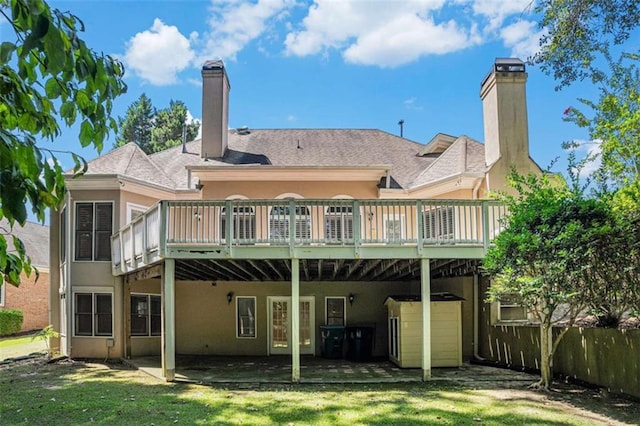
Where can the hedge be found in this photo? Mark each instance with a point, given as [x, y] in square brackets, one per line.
[10, 321]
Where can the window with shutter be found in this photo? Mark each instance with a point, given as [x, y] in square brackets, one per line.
[93, 314]
[439, 223]
[339, 223]
[279, 223]
[243, 222]
[94, 226]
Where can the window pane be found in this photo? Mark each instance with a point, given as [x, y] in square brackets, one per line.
[104, 220]
[84, 216]
[156, 324]
[335, 311]
[246, 309]
[139, 315]
[84, 244]
[103, 315]
[83, 308]
[103, 245]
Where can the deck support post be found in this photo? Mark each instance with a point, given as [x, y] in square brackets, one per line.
[169, 320]
[295, 320]
[425, 275]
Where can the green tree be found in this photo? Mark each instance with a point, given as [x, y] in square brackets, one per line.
[137, 124]
[580, 33]
[155, 130]
[547, 253]
[47, 74]
[169, 125]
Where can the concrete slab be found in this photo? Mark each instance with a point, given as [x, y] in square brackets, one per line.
[277, 369]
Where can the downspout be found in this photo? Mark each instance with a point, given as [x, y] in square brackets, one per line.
[388, 179]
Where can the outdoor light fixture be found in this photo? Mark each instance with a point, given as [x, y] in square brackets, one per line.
[370, 215]
[351, 298]
[199, 186]
[229, 297]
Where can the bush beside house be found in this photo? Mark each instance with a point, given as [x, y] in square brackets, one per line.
[10, 321]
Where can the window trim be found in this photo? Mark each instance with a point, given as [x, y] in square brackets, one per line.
[75, 224]
[93, 291]
[3, 294]
[326, 309]
[255, 318]
[149, 333]
[130, 208]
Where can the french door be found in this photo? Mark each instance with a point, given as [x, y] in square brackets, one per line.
[279, 309]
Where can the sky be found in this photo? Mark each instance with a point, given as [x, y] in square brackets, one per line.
[330, 63]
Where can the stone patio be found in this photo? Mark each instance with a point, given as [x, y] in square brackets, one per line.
[277, 369]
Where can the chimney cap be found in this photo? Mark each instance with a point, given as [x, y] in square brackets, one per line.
[508, 65]
[213, 65]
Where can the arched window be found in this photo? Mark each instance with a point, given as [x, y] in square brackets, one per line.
[243, 222]
[338, 223]
[279, 222]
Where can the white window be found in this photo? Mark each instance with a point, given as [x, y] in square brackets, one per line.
[279, 223]
[134, 210]
[438, 223]
[335, 311]
[394, 228]
[93, 314]
[510, 308]
[94, 225]
[339, 223]
[245, 317]
[243, 223]
[2, 293]
[145, 315]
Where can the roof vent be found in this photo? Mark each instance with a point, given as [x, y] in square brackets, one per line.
[244, 130]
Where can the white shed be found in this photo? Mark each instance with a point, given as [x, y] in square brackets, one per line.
[405, 330]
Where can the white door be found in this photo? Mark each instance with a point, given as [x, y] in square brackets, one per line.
[280, 325]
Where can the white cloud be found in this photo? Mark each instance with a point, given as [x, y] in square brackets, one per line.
[190, 119]
[291, 118]
[386, 34]
[522, 38]
[496, 11]
[159, 53]
[235, 23]
[592, 158]
[412, 103]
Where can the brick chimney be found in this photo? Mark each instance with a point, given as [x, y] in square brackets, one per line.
[504, 109]
[215, 109]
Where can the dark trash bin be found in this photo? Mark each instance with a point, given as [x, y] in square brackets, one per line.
[360, 342]
[332, 341]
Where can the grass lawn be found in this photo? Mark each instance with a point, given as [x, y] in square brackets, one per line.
[18, 346]
[71, 393]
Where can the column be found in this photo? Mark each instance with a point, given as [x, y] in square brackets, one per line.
[168, 320]
[425, 275]
[295, 320]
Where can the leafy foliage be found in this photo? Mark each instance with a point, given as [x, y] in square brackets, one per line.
[137, 124]
[10, 321]
[47, 74]
[155, 130]
[562, 253]
[581, 32]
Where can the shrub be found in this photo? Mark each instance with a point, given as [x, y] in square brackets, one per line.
[10, 321]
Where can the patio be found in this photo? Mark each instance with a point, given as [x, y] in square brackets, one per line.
[277, 369]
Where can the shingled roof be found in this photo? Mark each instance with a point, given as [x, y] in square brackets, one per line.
[35, 238]
[301, 147]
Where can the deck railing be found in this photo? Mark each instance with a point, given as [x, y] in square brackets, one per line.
[221, 225]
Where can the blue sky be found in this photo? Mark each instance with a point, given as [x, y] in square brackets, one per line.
[330, 63]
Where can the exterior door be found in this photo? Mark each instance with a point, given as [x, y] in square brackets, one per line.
[280, 325]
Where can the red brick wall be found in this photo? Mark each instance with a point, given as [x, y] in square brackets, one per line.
[32, 298]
